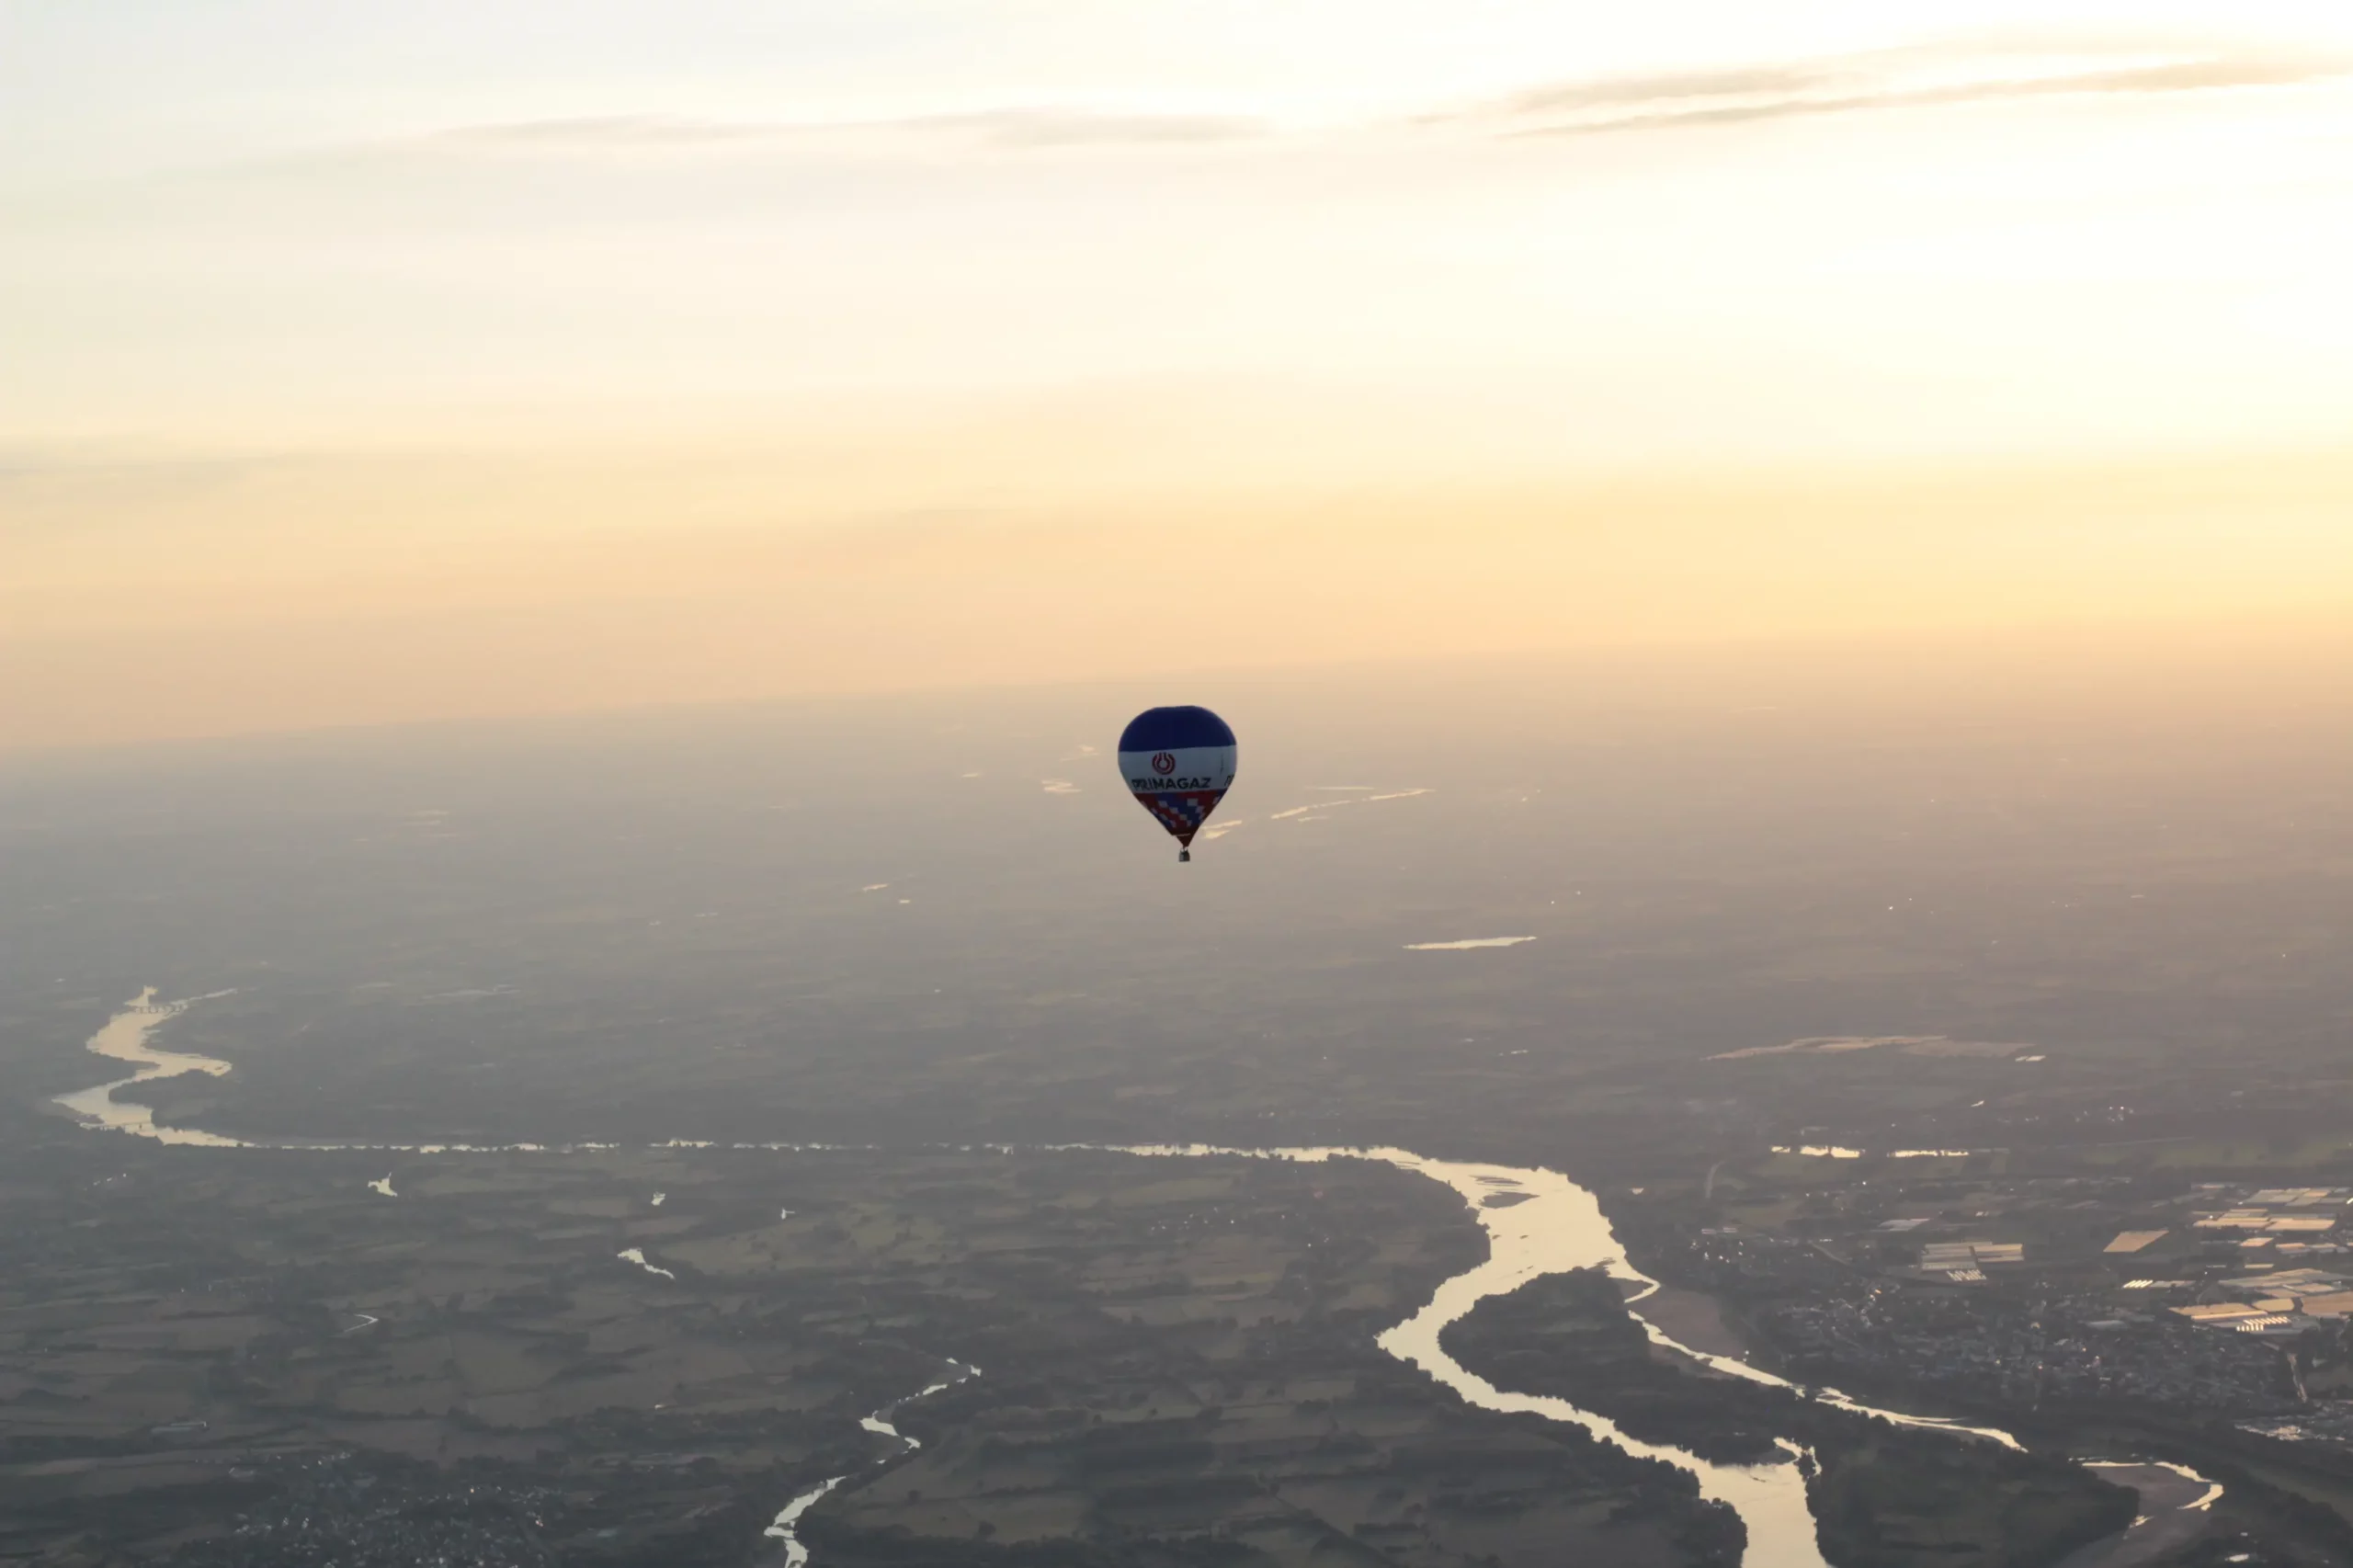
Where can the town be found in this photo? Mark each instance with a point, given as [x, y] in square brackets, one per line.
[1940, 1273]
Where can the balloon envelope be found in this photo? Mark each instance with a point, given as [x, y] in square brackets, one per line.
[1178, 762]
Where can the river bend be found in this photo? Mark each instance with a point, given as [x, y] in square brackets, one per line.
[1555, 1226]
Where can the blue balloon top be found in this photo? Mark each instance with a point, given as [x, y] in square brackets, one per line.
[1173, 729]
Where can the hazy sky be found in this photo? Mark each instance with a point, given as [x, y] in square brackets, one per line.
[367, 362]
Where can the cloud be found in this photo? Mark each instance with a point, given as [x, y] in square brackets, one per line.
[670, 136]
[1638, 91]
[1466, 944]
[1072, 127]
[591, 134]
[1894, 79]
[1913, 76]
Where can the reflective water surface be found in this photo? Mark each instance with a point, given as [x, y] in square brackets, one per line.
[1556, 1226]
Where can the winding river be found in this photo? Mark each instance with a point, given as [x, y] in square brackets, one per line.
[783, 1529]
[1553, 1225]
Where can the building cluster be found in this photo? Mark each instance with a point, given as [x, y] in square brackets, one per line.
[2294, 1300]
[339, 1509]
[1966, 1262]
[2215, 1298]
[2276, 1224]
[2069, 1350]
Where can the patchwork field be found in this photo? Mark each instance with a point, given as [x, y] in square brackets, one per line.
[197, 1348]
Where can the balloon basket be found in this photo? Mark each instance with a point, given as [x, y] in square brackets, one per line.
[1184, 855]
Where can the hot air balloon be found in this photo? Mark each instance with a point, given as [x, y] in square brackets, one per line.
[1179, 763]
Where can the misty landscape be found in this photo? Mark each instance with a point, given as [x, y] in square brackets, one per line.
[770, 1032]
[992, 784]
